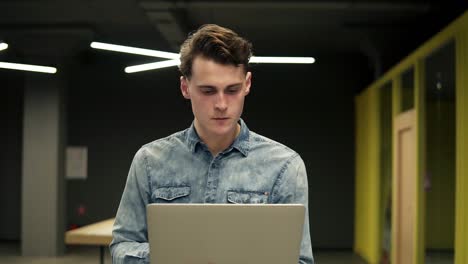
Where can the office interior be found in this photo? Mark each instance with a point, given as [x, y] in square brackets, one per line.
[375, 61]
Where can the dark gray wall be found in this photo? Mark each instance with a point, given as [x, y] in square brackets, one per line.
[11, 112]
[311, 109]
[113, 114]
[307, 107]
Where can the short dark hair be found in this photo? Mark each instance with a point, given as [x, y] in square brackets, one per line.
[214, 42]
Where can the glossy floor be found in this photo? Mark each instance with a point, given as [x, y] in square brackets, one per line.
[10, 253]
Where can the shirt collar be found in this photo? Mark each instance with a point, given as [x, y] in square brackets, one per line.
[241, 143]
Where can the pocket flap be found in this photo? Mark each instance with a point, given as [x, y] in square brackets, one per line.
[171, 193]
[137, 254]
[247, 197]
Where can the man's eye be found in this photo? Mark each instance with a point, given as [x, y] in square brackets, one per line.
[232, 90]
[208, 91]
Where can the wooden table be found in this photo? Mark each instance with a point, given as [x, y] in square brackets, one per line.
[97, 234]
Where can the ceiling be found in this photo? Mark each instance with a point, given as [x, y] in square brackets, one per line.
[382, 31]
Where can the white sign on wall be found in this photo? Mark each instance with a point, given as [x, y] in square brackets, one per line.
[77, 163]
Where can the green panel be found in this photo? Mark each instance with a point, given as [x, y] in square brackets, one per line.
[461, 200]
[440, 149]
[368, 203]
[407, 90]
[440, 193]
[420, 107]
[386, 166]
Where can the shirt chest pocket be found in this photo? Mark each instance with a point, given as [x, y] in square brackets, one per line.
[171, 194]
[247, 197]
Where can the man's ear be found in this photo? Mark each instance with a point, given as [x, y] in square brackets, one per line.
[184, 87]
[248, 82]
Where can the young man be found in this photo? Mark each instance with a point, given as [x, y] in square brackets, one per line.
[217, 159]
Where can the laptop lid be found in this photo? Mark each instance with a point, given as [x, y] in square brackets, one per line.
[225, 233]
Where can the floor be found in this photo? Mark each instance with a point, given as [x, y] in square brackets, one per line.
[10, 253]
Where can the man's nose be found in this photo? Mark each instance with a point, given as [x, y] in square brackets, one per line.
[221, 103]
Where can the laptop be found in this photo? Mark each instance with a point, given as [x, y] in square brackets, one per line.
[225, 233]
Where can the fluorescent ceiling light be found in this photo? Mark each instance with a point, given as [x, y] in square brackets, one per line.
[152, 66]
[253, 59]
[305, 60]
[132, 50]
[174, 57]
[27, 67]
[3, 46]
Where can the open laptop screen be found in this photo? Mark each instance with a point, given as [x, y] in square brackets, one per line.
[225, 233]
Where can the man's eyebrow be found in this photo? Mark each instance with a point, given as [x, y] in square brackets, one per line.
[206, 86]
[235, 85]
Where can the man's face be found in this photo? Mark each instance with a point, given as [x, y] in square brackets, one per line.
[217, 94]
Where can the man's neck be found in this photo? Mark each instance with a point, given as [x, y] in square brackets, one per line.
[216, 144]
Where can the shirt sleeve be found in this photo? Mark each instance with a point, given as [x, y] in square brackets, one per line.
[130, 237]
[292, 187]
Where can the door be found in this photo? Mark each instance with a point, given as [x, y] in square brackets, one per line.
[404, 188]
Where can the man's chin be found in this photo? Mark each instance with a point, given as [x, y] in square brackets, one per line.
[222, 130]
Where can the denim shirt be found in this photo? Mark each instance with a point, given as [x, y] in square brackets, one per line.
[181, 169]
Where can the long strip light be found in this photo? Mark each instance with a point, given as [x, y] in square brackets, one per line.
[304, 60]
[152, 66]
[132, 50]
[27, 67]
[3, 46]
[173, 58]
[253, 59]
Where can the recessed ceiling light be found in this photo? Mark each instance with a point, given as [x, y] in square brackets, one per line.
[3, 46]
